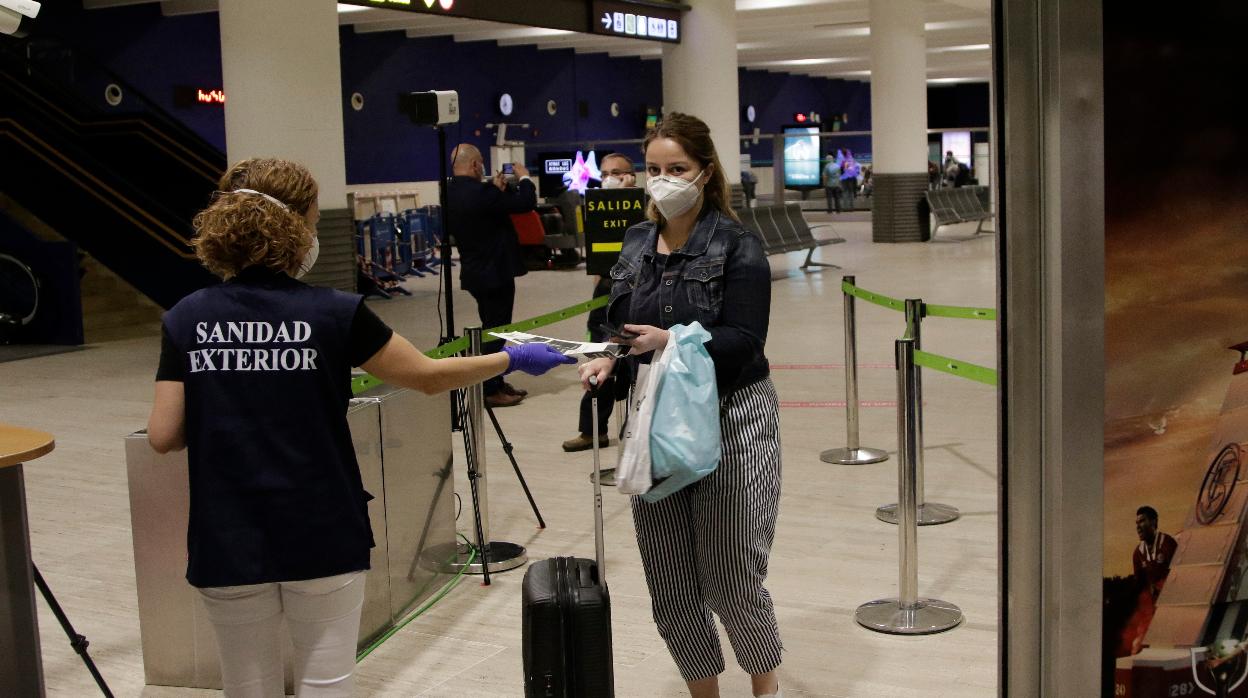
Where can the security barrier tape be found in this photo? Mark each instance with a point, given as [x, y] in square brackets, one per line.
[361, 383]
[961, 369]
[961, 312]
[872, 297]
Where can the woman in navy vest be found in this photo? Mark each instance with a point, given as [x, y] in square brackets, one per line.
[254, 381]
[705, 548]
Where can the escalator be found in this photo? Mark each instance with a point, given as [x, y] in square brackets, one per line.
[121, 183]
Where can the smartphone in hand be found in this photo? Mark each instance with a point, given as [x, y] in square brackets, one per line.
[616, 331]
[509, 168]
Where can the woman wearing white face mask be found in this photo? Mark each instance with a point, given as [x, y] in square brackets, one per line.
[705, 547]
[254, 379]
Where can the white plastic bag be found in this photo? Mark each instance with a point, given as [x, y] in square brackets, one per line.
[632, 475]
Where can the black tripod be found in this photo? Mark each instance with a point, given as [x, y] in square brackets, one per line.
[485, 547]
[78, 642]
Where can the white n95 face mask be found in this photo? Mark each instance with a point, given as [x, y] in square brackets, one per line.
[612, 182]
[309, 258]
[674, 195]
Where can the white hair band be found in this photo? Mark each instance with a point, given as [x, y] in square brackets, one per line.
[260, 193]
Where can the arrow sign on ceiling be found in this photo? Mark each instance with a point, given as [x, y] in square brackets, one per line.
[606, 19]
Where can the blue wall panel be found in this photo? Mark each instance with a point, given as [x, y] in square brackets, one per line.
[149, 51]
[154, 53]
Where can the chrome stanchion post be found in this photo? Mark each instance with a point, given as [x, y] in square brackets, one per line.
[930, 513]
[908, 614]
[495, 556]
[599, 554]
[853, 453]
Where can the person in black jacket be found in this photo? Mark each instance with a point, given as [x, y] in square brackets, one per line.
[254, 381]
[704, 549]
[489, 253]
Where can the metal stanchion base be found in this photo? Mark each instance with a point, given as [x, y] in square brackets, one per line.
[606, 477]
[930, 514]
[853, 456]
[503, 557]
[928, 616]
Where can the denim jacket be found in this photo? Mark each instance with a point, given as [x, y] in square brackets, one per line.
[719, 278]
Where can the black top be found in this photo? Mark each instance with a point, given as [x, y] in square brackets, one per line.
[368, 335]
[478, 217]
[275, 488]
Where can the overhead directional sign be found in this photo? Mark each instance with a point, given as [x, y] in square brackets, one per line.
[657, 20]
[638, 20]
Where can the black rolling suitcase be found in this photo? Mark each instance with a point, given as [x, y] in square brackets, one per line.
[567, 618]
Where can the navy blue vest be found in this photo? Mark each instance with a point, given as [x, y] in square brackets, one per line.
[275, 488]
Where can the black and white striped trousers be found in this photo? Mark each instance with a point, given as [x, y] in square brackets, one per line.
[705, 548]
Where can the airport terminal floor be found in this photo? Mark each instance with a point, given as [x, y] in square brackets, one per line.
[830, 553]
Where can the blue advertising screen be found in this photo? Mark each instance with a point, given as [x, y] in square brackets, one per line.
[801, 156]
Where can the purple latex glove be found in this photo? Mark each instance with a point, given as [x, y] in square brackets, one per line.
[534, 359]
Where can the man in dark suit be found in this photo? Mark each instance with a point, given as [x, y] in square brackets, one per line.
[489, 253]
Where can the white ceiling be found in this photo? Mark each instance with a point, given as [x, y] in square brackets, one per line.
[825, 38]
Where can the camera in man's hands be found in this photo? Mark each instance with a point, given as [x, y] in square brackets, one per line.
[15, 13]
[432, 108]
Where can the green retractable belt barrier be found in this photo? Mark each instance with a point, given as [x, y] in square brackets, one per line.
[872, 297]
[960, 312]
[961, 369]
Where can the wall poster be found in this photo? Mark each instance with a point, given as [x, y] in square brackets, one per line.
[1176, 342]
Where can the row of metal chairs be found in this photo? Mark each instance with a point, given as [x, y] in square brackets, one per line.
[783, 228]
[959, 205]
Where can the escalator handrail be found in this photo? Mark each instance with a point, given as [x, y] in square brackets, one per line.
[124, 198]
[210, 160]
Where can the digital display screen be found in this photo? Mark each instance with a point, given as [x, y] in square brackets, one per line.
[959, 142]
[801, 156]
[576, 171]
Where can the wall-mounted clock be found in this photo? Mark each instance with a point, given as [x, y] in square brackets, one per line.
[505, 104]
[615, 109]
[551, 107]
[750, 113]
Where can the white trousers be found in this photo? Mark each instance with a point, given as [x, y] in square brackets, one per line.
[323, 616]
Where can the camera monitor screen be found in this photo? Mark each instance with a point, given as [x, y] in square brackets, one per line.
[577, 171]
[801, 156]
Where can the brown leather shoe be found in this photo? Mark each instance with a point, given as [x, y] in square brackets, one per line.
[584, 442]
[513, 390]
[502, 399]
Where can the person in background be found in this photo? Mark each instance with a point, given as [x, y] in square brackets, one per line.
[705, 548]
[868, 187]
[832, 182]
[254, 381]
[849, 179]
[749, 185]
[1152, 557]
[951, 170]
[489, 252]
[617, 173]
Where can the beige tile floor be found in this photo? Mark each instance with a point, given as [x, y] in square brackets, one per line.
[830, 554]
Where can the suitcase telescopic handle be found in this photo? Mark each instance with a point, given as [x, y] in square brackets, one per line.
[598, 546]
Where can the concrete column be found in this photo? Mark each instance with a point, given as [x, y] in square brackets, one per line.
[283, 87]
[899, 120]
[700, 77]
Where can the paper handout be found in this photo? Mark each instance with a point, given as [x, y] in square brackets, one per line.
[589, 350]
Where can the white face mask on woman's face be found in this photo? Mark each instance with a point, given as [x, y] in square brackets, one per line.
[674, 195]
[309, 258]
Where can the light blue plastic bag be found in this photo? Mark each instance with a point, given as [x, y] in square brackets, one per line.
[684, 432]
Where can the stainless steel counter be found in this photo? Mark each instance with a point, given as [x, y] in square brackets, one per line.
[402, 441]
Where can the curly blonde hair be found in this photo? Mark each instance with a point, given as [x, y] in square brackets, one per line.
[240, 230]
